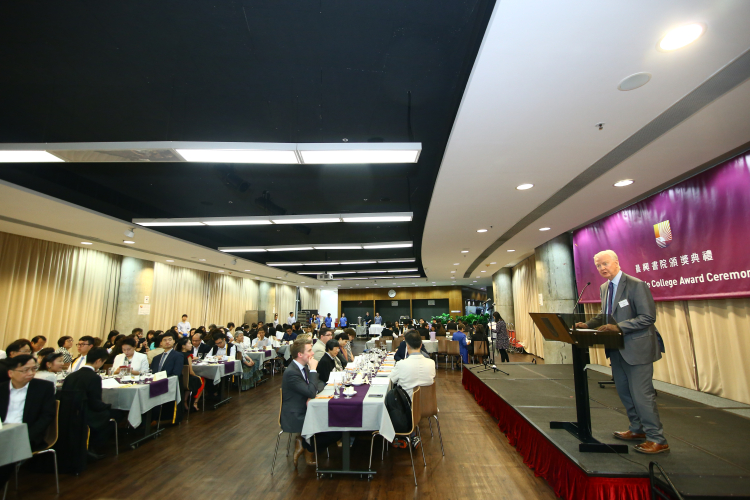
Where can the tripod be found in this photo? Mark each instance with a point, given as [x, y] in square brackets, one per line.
[489, 364]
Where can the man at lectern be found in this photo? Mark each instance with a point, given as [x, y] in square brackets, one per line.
[632, 306]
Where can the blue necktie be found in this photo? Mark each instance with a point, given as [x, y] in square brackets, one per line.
[610, 298]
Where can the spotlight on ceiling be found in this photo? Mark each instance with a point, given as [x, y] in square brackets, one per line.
[679, 37]
[129, 233]
[524, 187]
[623, 183]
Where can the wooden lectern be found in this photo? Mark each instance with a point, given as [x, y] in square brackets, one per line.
[553, 327]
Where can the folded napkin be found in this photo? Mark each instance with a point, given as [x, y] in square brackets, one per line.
[323, 397]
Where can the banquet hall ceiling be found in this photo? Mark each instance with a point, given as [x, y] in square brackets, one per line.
[241, 71]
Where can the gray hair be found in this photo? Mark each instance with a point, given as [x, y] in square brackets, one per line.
[611, 253]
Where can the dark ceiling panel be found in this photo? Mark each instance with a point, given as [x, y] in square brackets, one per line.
[254, 71]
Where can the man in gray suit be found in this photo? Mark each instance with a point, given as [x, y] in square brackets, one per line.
[298, 387]
[629, 301]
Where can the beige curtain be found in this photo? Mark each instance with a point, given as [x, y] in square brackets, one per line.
[55, 290]
[722, 346]
[525, 301]
[230, 297]
[178, 291]
[286, 301]
[309, 298]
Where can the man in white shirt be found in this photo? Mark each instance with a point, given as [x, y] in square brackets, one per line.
[184, 326]
[319, 347]
[137, 362]
[222, 348]
[261, 340]
[291, 320]
[415, 370]
[84, 345]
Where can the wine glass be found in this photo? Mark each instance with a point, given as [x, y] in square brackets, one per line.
[336, 389]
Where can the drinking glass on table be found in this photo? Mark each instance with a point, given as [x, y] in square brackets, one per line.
[336, 389]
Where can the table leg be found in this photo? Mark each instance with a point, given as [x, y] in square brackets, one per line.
[148, 433]
[346, 466]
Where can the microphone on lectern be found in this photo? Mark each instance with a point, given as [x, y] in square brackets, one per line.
[579, 297]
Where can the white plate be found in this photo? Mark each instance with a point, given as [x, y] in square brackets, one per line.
[350, 393]
[357, 383]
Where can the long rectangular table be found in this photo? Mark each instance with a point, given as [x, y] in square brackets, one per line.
[219, 374]
[14, 444]
[430, 345]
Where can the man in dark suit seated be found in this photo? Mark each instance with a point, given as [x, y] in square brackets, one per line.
[401, 351]
[299, 386]
[330, 362]
[289, 334]
[170, 360]
[25, 399]
[199, 347]
[98, 412]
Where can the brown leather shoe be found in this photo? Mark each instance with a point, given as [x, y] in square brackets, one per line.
[651, 448]
[629, 436]
[309, 457]
[298, 449]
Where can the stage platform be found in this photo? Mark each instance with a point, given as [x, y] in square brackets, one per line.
[709, 453]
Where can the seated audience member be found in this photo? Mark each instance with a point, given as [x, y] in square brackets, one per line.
[253, 333]
[344, 355]
[463, 343]
[97, 412]
[477, 336]
[329, 363]
[319, 348]
[402, 353]
[169, 360]
[50, 364]
[351, 335]
[297, 328]
[386, 331]
[18, 348]
[241, 340]
[137, 334]
[397, 330]
[261, 340]
[451, 327]
[64, 345]
[422, 330]
[415, 370]
[97, 342]
[290, 335]
[221, 348]
[149, 340]
[299, 385]
[199, 347]
[84, 345]
[196, 384]
[116, 349]
[38, 343]
[136, 361]
[250, 373]
[110, 343]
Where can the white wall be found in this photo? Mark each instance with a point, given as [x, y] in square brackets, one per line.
[329, 303]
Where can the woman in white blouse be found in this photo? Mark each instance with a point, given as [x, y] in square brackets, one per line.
[50, 364]
[137, 361]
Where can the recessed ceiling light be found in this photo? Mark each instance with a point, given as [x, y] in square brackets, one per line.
[484, 271]
[86, 243]
[464, 251]
[27, 157]
[433, 282]
[524, 187]
[633, 82]
[481, 230]
[493, 263]
[455, 263]
[202, 260]
[239, 155]
[623, 183]
[679, 37]
[302, 282]
[511, 250]
[474, 281]
[544, 229]
[128, 242]
[170, 260]
[221, 270]
[453, 272]
[247, 270]
[478, 277]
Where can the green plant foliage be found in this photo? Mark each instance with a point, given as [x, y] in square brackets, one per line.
[469, 319]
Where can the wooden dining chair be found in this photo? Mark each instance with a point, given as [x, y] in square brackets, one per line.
[442, 349]
[480, 349]
[430, 409]
[50, 439]
[397, 343]
[454, 350]
[416, 416]
[281, 401]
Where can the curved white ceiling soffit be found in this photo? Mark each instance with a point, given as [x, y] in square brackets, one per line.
[541, 83]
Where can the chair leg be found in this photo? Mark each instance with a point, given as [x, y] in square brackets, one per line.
[57, 480]
[430, 422]
[190, 405]
[421, 446]
[372, 443]
[315, 446]
[117, 441]
[382, 452]
[413, 470]
[288, 442]
[5, 490]
[273, 464]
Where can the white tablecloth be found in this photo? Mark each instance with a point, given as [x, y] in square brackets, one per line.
[216, 372]
[430, 345]
[136, 401]
[374, 414]
[375, 330]
[14, 443]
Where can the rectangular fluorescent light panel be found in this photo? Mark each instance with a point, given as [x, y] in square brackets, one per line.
[339, 247]
[355, 262]
[289, 249]
[27, 157]
[238, 156]
[370, 272]
[246, 222]
[396, 261]
[388, 245]
[402, 270]
[319, 220]
[342, 272]
[158, 224]
[359, 156]
[321, 263]
[281, 264]
[377, 218]
[240, 249]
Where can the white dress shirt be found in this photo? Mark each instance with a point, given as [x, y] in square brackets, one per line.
[414, 371]
[183, 327]
[16, 404]
[78, 363]
[291, 320]
[139, 362]
[262, 343]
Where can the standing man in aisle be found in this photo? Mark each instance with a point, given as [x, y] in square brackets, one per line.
[629, 301]
[329, 321]
[184, 326]
[291, 320]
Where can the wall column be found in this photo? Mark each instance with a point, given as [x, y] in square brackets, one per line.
[267, 292]
[503, 294]
[555, 281]
[136, 283]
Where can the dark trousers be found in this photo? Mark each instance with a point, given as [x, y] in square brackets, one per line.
[504, 356]
[323, 440]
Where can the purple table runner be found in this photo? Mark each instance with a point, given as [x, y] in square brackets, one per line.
[344, 412]
[158, 388]
[268, 352]
[228, 367]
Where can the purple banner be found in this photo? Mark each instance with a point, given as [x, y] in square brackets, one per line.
[687, 242]
[158, 388]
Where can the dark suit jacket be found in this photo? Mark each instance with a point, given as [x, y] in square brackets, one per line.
[291, 337]
[295, 393]
[203, 348]
[325, 366]
[86, 380]
[401, 352]
[424, 333]
[173, 364]
[38, 412]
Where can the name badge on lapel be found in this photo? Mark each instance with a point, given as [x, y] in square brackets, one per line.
[624, 303]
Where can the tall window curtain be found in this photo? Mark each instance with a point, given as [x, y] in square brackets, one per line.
[309, 298]
[525, 301]
[286, 300]
[230, 297]
[55, 290]
[177, 291]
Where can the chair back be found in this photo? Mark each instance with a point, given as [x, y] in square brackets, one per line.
[442, 345]
[480, 348]
[416, 408]
[454, 348]
[281, 402]
[52, 430]
[429, 400]
[397, 343]
[186, 376]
